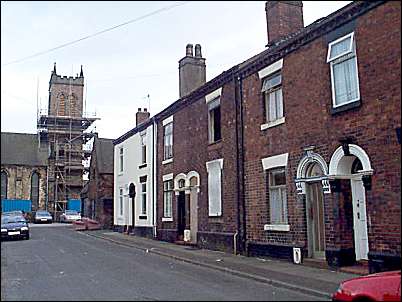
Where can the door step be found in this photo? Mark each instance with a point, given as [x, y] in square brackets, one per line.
[182, 242]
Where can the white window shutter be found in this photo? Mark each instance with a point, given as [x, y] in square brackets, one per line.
[214, 169]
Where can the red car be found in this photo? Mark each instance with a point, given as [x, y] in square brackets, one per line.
[384, 286]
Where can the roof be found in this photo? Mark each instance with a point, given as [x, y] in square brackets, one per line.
[276, 49]
[22, 149]
[104, 154]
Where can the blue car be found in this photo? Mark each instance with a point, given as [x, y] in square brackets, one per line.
[14, 226]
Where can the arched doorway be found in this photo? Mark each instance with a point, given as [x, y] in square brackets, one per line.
[193, 184]
[351, 163]
[315, 212]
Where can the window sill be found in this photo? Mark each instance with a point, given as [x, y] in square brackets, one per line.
[214, 142]
[142, 166]
[167, 161]
[120, 173]
[346, 107]
[273, 123]
[277, 227]
[167, 219]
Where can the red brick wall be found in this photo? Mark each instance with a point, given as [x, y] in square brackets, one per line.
[307, 103]
[191, 151]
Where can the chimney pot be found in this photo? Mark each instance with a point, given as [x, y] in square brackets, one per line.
[198, 51]
[139, 109]
[189, 50]
[145, 109]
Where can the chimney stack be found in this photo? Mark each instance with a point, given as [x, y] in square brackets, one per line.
[283, 18]
[192, 70]
[141, 116]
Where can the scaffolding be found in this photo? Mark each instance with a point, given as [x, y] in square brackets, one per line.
[64, 128]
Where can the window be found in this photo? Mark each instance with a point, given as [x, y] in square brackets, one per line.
[35, 190]
[143, 148]
[121, 201]
[272, 90]
[214, 120]
[214, 169]
[343, 65]
[167, 198]
[4, 183]
[144, 198]
[121, 159]
[168, 141]
[277, 196]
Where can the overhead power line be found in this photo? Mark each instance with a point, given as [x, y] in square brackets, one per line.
[97, 33]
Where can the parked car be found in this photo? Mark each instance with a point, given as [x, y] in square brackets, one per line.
[43, 217]
[13, 226]
[13, 213]
[385, 286]
[70, 216]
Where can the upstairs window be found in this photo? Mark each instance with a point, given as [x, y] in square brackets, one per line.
[214, 120]
[272, 90]
[168, 141]
[143, 149]
[121, 160]
[277, 196]
[343, 64]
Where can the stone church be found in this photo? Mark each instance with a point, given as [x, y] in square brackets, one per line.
[45, 170]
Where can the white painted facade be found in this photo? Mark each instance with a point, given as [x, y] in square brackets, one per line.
[133, 169]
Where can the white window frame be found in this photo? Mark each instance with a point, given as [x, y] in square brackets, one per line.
[215, 201]
[121, 201]
[168, 200]
[121, 160]
[144, 198]
[143, 137]
[283, 197]
[350, 53]
[165, 146]
[273, 91]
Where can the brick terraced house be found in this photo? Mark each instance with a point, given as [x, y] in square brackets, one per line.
[294, 152]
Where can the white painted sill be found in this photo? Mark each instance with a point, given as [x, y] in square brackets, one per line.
[120, 173]
[273, 124]
[277, 227]
[167, 219]
[166, 161]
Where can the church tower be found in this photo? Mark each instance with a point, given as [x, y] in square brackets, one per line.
[62, 129]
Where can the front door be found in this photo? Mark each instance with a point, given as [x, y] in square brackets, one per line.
[181, 214]
[315, 221]
[359, 219]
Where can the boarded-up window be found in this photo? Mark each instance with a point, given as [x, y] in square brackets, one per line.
[214, 169]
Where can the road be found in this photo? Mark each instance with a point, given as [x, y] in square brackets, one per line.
[58, 263]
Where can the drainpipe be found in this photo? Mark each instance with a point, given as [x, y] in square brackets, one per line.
[235, 242]
[47, 188]
[240, 164]
[154, 186]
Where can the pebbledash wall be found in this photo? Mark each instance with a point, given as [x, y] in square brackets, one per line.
[313, 132]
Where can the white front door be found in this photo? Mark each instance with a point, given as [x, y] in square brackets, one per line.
[359, 219]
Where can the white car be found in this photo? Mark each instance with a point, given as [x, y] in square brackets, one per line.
[70, 216]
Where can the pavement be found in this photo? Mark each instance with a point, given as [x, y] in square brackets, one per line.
[319, 282]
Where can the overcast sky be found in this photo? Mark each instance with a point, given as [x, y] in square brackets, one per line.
[122, 66]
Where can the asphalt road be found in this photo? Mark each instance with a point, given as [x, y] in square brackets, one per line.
[58, 263]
